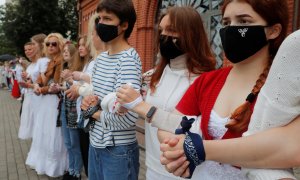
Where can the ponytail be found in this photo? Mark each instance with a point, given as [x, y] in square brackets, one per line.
[240, 118]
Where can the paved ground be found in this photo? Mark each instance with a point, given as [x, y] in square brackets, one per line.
[13, 152]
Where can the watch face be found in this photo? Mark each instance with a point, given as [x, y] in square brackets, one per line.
[151, 112]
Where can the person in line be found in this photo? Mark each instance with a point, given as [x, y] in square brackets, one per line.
[2, 82]
[113, 151]
[49, 155]
[182, 60]
[278, 105]
[69, 114]
[90, 47]
[27, 112]
[250, 37]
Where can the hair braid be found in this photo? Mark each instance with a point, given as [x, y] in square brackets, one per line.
[240, 118]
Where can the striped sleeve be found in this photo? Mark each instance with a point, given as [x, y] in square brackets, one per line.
[129, 71]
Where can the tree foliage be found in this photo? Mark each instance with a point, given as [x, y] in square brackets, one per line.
[25, 18]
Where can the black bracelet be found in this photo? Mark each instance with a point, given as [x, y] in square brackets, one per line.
[89, 112]
[150, 113]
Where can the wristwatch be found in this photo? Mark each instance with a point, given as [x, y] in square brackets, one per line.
[150, 113]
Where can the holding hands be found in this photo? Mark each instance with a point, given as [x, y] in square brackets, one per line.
[72, 93]
[77, 75]
[173, 156]
[66, 74]
[24, 75]
[89, 101]
[128, 97]
[183, 152]
[54, 88]
[37, 89]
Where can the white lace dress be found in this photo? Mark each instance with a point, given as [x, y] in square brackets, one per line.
[27, 116]
[211, 170]
[47, 154]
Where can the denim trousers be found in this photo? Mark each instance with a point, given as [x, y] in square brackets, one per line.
[72, 142]
[114, 162]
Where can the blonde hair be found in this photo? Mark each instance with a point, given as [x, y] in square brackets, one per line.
[90, 42]
[39, 38]
[60, 41]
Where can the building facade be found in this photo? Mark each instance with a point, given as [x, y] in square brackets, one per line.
[143, 35]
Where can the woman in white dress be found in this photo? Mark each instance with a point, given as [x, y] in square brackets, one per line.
[28, 78]
[48, 154]
[31, 100]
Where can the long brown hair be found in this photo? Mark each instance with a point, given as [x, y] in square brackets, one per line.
[241, 116]
[75, 63]
[88, 56]
[187, 22]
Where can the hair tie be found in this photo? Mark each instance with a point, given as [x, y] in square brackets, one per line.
[251, 97]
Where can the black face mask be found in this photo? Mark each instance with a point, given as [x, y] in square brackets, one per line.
[107, 32]
[169, 47]
[241, 42]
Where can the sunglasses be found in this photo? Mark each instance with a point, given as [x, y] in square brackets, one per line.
[54, 44]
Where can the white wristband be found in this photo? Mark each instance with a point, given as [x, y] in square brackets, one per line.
[132, 104]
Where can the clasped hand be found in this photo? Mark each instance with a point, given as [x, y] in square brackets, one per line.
[173, 156]
[127, 94]
[89, 101]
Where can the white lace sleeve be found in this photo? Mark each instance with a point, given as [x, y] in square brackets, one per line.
[278, 103]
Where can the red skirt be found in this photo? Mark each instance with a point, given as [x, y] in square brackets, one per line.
[15, 92]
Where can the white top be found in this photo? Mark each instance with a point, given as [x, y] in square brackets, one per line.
[278, 102]
[88, 69]
[171, 87]
[211, 170]
[42, 64]
[30, 71]
[18, 70]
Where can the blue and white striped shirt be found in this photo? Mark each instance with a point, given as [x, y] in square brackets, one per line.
[109, 73]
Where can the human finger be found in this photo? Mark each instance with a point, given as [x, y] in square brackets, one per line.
[186, 173]
[181, 170]
[173, 154]
[173, 141]
[174, 165]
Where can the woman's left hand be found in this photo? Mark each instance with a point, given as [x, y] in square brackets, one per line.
[126, 94]
[173, 156]
[72, 93]
[89, 101]
[66, 73]
[77, 75]
[54, 88]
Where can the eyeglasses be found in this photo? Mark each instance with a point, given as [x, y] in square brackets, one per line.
[54, 44]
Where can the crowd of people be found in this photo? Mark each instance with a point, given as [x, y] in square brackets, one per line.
[81, 102]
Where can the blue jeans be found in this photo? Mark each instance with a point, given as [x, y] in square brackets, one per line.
[114, 162]
[71, 139]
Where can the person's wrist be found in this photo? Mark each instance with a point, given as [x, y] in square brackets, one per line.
[142, 108]
[96, 115]
[81, 76]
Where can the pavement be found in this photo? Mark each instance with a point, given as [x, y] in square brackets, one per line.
[13, 151]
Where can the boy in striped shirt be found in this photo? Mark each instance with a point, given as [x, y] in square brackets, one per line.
[114, 152]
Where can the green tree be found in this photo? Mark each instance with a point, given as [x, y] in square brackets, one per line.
[6, 46]
[23, 19]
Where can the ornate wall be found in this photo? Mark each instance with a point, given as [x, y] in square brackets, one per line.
[143, 34]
